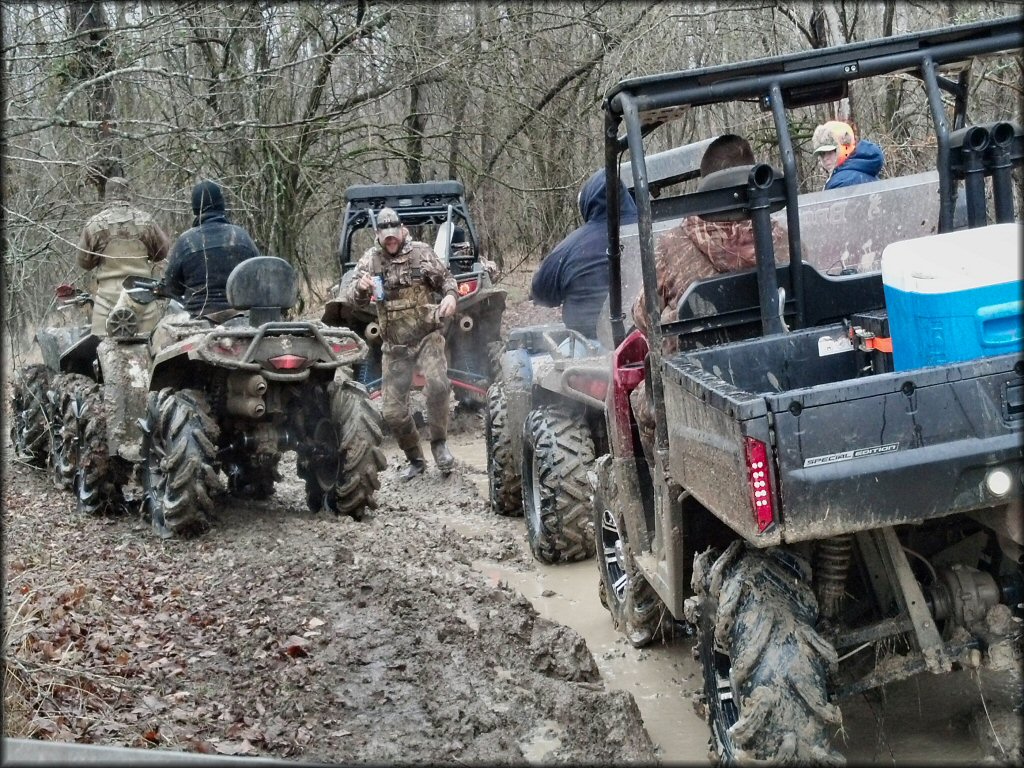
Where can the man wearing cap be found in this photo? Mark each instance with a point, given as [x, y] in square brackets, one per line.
[119, 241]
[203, 256]
[846, 160]
[403, 275]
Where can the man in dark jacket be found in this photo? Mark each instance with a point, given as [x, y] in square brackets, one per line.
[846, 160]
[203, 256]
[575, 273]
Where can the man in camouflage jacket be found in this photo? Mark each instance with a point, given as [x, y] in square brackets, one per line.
[693, 250]
[119, 241]
[402, 275]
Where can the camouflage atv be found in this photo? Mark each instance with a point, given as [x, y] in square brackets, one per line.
[57, 417]
[233, 397]
[434, 212]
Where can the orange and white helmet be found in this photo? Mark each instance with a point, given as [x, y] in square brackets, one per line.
[835, 136]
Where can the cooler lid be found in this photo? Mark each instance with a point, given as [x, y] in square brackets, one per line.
[954, 261]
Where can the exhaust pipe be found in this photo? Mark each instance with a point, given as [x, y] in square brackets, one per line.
[373, 333]
[251, 385]
[247, 407]
[466, 323]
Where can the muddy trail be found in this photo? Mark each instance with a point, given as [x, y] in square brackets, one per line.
[425, 632]
[291, 634]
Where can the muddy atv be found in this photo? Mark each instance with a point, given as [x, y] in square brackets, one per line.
[831, 500]
[545, 421]
[57, 420]
[435, 212]
[233, 397]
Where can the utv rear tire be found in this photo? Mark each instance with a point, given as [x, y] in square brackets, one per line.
[99, 477]
[66, 395]
[505, 484]
[179, 456]
[30, 418]
[765, 667]
[342, 474]
[557, 452]
[637, 611]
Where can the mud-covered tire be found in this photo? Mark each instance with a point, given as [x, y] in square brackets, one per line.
[558, 450]
[30, 417]
[66, 395]
[637, 611]
[99, 477]
[503, 478]
[179, 459]
[766, 670]
[341, 474]
[495, 351]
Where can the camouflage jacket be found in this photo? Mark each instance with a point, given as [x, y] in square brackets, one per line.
[411, 281]
[119, 241]
[695, 249]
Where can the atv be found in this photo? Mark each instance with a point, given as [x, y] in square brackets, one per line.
[57, 420]
[435, 212]
[545, 420]
[233, 396]
[833, 495]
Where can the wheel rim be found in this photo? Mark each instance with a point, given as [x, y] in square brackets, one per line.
[613, 556]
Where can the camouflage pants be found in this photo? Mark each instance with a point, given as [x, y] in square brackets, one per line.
[399, 364]
[643, 412]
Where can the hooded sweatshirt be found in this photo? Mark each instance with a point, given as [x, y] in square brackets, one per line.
[575, 273]
[203, 256]
[863, 165]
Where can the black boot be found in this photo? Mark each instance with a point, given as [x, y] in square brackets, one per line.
[416, 463]
[442, 456]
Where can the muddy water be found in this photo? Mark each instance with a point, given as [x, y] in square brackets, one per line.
[951, 719]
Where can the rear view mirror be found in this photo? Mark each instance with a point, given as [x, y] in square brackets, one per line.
[141, 289]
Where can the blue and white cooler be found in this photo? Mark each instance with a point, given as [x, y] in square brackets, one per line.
[955, 296]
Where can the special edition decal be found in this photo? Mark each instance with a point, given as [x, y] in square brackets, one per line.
[856, 453]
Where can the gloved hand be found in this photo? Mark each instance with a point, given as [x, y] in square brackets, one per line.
[446, 307]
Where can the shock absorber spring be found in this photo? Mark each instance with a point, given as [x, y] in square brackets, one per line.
[832, 566]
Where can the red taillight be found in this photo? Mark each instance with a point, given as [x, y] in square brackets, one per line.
[466, 287]
[287, 362]
[594, 387]
[759, 480]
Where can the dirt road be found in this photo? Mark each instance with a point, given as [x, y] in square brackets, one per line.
[425, 632]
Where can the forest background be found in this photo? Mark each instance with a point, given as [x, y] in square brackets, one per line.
[287, 104]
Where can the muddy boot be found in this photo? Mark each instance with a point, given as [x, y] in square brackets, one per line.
[416, 463]
[442, 456]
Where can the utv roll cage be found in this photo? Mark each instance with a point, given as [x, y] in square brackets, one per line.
[429, 203]
[964, 153]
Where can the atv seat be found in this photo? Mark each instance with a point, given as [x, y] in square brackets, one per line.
[264, 285]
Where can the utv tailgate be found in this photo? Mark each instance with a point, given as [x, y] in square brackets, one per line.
[850, 453]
